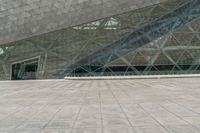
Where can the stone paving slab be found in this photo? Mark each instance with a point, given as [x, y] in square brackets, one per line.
[101, 106]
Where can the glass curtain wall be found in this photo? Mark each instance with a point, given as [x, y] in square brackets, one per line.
[85, 50]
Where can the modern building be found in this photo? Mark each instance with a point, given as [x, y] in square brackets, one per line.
[51, 39]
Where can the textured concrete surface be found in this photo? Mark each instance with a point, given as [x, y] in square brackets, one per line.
[101, 106]
[21, 19]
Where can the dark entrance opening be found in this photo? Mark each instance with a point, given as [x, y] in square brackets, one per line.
[25, 70]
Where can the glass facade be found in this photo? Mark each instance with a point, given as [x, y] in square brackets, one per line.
[159, 39]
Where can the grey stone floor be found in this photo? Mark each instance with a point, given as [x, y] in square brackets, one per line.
[101, 106]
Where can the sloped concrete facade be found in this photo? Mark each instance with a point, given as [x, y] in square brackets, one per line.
[20, 19]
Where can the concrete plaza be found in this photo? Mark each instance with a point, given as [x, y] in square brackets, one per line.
[101, 106]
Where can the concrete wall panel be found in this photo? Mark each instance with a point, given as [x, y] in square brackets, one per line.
[20, 19]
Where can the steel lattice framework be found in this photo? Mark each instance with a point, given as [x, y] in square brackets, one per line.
[158, 39]
[153, 31]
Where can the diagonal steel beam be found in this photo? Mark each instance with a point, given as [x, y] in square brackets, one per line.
[155, 57]
[153, 31]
